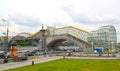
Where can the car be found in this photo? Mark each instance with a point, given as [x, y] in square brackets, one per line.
[2, 55]
[23, 58]
[29, 53]
[34, 52]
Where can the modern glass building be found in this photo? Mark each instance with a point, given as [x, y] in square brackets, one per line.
[104, 37]
[93, 38]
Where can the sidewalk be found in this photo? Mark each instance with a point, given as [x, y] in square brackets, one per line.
[28, 62]
[72, 57]
[45, 59]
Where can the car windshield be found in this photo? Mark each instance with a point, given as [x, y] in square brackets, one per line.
[1, 51]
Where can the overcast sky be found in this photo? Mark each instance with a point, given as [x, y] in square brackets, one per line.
[29, 15]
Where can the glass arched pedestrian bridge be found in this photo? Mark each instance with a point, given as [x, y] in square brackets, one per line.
[70, 30]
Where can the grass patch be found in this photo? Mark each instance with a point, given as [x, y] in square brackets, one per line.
[33, 57]
[74, 65]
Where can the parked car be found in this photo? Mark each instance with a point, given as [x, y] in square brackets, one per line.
[29, 53]
[34, 52]
[24, 57]
[2, 54]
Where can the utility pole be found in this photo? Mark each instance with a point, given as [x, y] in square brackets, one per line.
[7, 45]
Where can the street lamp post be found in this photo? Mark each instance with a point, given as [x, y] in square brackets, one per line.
[7, 33]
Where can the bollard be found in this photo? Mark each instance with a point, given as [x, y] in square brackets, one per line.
[32, 62]
[63, 56]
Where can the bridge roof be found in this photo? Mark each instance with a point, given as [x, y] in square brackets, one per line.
[24, 34]
[72, 27]
[71, 30]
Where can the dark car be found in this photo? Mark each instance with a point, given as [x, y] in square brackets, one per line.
[2, 55]
[34, 52]
[23, 58]
[29, 53]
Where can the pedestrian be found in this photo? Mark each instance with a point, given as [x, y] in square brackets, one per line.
[6, 59]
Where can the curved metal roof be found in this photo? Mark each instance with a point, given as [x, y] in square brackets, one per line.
[24, 34]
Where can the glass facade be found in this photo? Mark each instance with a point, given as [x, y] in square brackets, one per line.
[104, 37]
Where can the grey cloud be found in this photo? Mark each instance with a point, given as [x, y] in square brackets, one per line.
[61, 24]
[24, 20]
[83, 18]
[113, 21]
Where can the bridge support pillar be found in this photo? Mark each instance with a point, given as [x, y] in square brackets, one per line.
[43, 39]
